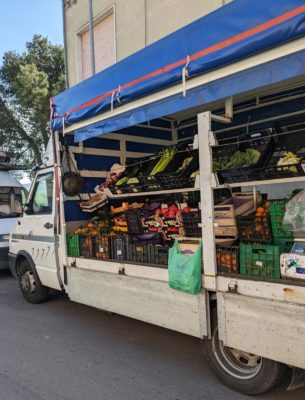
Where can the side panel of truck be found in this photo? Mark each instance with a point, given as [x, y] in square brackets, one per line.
[271, 329]
[148, 300]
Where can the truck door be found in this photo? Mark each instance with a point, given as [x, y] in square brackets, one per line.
[36, 229]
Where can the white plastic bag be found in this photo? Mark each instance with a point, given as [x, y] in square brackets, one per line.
[294, 218]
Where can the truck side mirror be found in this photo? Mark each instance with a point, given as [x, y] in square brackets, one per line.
[28, 209]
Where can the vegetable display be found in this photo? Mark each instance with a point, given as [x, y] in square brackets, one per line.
[289, 158]
[239, 159]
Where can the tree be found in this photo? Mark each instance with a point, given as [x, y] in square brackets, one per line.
[27, 82]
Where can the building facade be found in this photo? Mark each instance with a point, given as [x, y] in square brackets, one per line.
[122, 27]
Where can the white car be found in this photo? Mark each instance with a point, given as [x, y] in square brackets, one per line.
[10, 210]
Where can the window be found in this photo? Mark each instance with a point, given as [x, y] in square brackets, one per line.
[10, 202]
[41, 200]
[104, 46]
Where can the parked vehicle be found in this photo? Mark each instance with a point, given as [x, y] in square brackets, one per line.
[10, 206]
[249, 315]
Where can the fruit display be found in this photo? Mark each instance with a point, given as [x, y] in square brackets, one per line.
[249, 229]
[227, 259]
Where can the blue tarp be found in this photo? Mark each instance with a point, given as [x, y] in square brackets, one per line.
[279, 70]
[233, 32]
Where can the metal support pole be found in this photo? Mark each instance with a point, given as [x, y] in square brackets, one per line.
[91, 31]
[206, 138]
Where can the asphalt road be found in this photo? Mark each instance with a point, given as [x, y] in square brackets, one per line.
[67, 351]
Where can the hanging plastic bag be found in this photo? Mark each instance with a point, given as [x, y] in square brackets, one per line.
[184, 271]
[294, 218]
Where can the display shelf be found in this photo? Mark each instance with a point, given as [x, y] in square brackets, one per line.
[110, 195]
[260, 183]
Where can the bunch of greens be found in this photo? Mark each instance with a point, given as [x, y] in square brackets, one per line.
[239, 159]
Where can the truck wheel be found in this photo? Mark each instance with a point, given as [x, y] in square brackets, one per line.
[33, 291]
[241, 371]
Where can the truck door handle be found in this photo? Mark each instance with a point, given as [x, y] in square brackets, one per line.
[48, 225]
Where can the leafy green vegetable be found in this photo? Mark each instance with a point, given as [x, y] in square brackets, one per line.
[185, 164]
[243, 158]
[122, 181]
[289, 158]
[217, 165]
[166, 156]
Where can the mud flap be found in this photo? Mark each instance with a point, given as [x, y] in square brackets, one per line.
[297, 380]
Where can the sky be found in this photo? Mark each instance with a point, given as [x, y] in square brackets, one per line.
[21, 19]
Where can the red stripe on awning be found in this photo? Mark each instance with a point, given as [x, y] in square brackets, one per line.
[209, 50]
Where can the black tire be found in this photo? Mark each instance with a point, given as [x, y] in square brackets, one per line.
[32, 289]
[235, 373]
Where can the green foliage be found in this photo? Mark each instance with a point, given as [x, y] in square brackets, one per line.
[27, 82]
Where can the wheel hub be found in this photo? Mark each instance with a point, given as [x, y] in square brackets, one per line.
[237, 363]
[28, 282]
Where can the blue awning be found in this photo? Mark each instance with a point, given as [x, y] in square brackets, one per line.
[269, 73]
[235, 31]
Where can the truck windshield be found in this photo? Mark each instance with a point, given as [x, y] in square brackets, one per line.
[10, 202]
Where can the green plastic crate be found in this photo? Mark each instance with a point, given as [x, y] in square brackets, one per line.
[73, 245]
[261, 261]
[277, 212]
[284, 244]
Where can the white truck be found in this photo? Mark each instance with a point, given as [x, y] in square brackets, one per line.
[252, 329]
[10, 205]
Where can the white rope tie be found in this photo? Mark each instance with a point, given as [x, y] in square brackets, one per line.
[116, 93]
[112, 99]
[185, 74]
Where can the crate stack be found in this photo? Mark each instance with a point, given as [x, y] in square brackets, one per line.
[227, 215]
[281, 236]
[262, 257]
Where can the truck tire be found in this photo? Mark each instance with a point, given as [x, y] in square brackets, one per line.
[243, 372]
[33, 291]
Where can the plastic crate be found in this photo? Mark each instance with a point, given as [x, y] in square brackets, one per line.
[138, 246]
[180, 179]
[190, 222]
[138, 253]
[152, 183]
[134, 222]
[262, 142]
[118, 247]
[102, 248]
[254, 228]
[277, 212]
[222, 154]
[159, 255]
[87, 246]
[261, 261]
[138, 168]
[73, 245]
[284, 244]
[289, 142]
[227, 259]
[144, 185]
